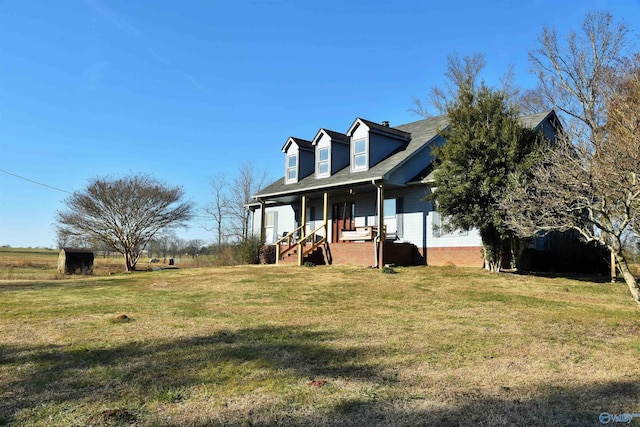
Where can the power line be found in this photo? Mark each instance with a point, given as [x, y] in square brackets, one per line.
[35, 182]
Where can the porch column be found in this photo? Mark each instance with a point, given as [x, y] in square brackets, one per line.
[263, 216]
[303, 230]
[304, 216]
[381, 237]
[325, 215]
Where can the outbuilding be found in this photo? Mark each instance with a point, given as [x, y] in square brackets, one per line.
[75, 261]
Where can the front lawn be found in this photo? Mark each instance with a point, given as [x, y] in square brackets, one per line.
[271, 345]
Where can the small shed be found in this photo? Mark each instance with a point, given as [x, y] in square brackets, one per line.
[75, 261]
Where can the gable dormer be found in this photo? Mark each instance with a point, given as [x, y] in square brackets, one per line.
[331, 152]
[298, 159]
[370, 143]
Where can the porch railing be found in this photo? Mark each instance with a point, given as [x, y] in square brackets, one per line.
[315, 243]
[288, 241]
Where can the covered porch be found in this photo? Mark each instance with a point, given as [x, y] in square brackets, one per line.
[325, 227]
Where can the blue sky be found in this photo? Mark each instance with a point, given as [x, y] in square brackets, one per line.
[187, 90]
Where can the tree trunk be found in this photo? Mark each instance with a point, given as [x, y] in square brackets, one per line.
[628, 276]
[491, 249]
[514, 246]
[130, 261]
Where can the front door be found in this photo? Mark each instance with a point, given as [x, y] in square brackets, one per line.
[342, 219]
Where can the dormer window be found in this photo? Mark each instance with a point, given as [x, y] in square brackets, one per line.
[292, 168]
[359, 154]
[299, 160]
[322, 167]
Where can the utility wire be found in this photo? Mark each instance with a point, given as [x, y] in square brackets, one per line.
[35, 182]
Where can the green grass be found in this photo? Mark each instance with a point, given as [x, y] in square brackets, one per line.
[324, 346]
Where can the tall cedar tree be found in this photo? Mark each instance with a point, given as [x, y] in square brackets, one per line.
[485, 142]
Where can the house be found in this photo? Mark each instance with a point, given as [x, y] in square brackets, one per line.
[359, 198]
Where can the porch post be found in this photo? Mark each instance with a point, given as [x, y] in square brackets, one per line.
[303, 230]
[304, 216]
[381, 237]
[325, 215]
[263, 216]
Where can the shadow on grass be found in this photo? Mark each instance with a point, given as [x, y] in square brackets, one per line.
[140, 371]
[591, 278]
[545, 406]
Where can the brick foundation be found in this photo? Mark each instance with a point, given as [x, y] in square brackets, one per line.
[361, 253]
[357, 253]
[460, 256]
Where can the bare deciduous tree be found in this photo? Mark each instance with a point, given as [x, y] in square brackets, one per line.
[465, 73]
[589, 181]
[217, 210]
[461, 73]
[192, 247]
[247, 183]
[574, 76]
[622, 153]
[125, 213]
[532, 101]
[163, 242]
[596, 193]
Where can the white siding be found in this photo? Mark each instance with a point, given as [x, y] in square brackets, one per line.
[285, 221]
[413, 215]
[416, 219]
[413, 228]
[472, 238]
[361, 132]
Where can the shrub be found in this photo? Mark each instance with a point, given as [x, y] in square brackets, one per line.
[249, 250]
[387, 269]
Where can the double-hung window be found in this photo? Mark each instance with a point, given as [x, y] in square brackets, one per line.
[359, 154]
[292, 168]
[270, 227]
[323, 162]
[441, 227]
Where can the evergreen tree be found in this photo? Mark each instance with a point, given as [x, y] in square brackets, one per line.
[485, 142]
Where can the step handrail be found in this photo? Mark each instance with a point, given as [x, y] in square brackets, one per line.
[314, 244]
[290, 243]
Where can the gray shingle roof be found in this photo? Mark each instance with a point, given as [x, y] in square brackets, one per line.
[533, 120]
[336, 136]
[420, 132]
[302, 143]
[377, 127]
